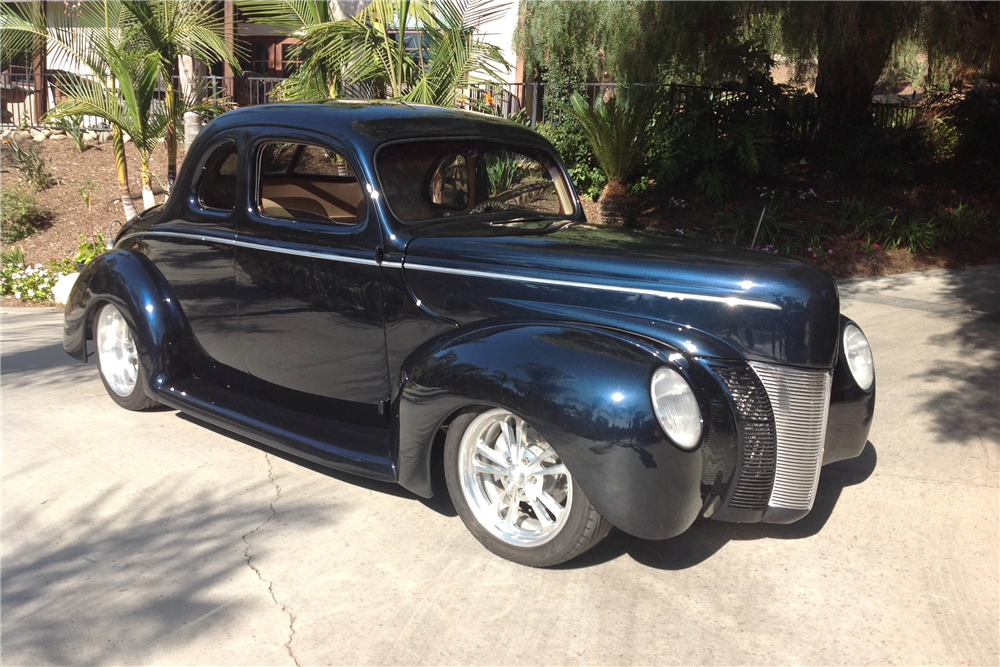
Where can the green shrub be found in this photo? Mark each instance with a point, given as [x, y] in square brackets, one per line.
[913, 234]
[738, 223]
[88, 250]
[73, 126]
[30, 165]
[27, 282]
[856, 215]
[576, 154]
[965, 221]
[20, 215]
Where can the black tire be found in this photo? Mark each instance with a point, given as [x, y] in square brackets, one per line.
[584, 526]
[139, 398]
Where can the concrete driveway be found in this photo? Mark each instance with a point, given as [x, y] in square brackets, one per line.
[153, 539]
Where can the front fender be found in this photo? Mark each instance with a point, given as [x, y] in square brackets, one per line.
[131, 282]
[585, 390]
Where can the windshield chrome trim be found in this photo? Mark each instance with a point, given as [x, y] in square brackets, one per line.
[726, 300]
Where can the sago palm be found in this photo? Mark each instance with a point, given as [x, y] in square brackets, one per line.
[618, 133]
[22, 25]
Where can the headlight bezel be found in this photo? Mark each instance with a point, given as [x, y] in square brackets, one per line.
[855, 345]
[682, 436]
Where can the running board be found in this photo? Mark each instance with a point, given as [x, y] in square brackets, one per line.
[306, 436]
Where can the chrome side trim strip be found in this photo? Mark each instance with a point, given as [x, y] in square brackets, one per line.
[800, 401]
[729, 301]
[259, 246]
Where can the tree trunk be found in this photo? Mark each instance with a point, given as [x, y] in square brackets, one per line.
[170, 141]
[148, 200]
[121, 172]
[615, 204]
[854, 41]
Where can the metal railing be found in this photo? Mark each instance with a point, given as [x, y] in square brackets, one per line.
[25, 97]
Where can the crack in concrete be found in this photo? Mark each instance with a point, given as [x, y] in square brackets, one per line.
[270, 584]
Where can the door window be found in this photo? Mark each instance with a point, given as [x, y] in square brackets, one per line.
[218, 181]
[310, 183]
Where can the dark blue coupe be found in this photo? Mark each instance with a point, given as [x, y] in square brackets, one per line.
[387, 289]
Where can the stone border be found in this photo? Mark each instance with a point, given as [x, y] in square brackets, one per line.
[53, 133]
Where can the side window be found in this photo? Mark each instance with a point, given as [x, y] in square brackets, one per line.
[309, 183]
[450, 183]
[518, 181]
[316, 161]
[217, 188]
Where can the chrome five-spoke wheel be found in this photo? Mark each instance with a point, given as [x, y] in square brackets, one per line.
[513, 480]
[118, 359]
[514, 493]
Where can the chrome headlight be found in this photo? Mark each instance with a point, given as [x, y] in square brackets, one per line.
[676, 407]
[859, 356]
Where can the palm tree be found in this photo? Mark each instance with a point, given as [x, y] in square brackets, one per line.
[618, 132]
[129, 106]
[23, 25]
[170, 29]
[373, 51]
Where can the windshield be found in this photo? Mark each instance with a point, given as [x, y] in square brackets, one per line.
[430, 180]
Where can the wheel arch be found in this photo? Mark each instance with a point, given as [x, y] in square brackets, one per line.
[631, 473]
[133, 284]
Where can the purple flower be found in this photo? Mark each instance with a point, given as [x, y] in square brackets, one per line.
[810, 250]
[814, 254]
[830, 251]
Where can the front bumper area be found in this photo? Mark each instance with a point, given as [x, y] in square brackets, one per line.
[789, 422]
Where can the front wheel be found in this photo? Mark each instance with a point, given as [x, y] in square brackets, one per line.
[513, 492]
[118, 360]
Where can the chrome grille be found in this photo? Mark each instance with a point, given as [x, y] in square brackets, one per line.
[753, 488]
[800, 401]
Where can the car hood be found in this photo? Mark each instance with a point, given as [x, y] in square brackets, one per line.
[707, 299]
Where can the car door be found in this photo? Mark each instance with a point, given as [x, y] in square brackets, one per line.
[310, 288]
[193, 249]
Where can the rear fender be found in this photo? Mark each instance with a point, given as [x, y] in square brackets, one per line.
[132, 283]
[585, 390]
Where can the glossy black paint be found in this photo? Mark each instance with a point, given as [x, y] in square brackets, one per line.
[564, 379]
[333, 343]
[851, 412]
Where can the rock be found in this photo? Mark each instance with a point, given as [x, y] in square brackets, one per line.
[5, 135]
[90, 135]
[58, 136]
[126, 137]
[24, 134]
[104, 136]
[40, 137]
[63, 286]
[47, 133]
[56, 130]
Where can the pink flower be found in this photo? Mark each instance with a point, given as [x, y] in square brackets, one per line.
[830, 251]
[814, 254]
[810, 250]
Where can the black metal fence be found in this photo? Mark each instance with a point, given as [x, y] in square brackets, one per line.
[24, 99]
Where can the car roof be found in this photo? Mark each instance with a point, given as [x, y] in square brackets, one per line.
[373, 122]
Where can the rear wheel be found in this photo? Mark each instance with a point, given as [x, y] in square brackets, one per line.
[118, 360]
[515, 494]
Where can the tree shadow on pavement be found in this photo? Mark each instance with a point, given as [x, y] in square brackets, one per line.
[440, 503]
[706, 537]
[130, 572]
[969, 407]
